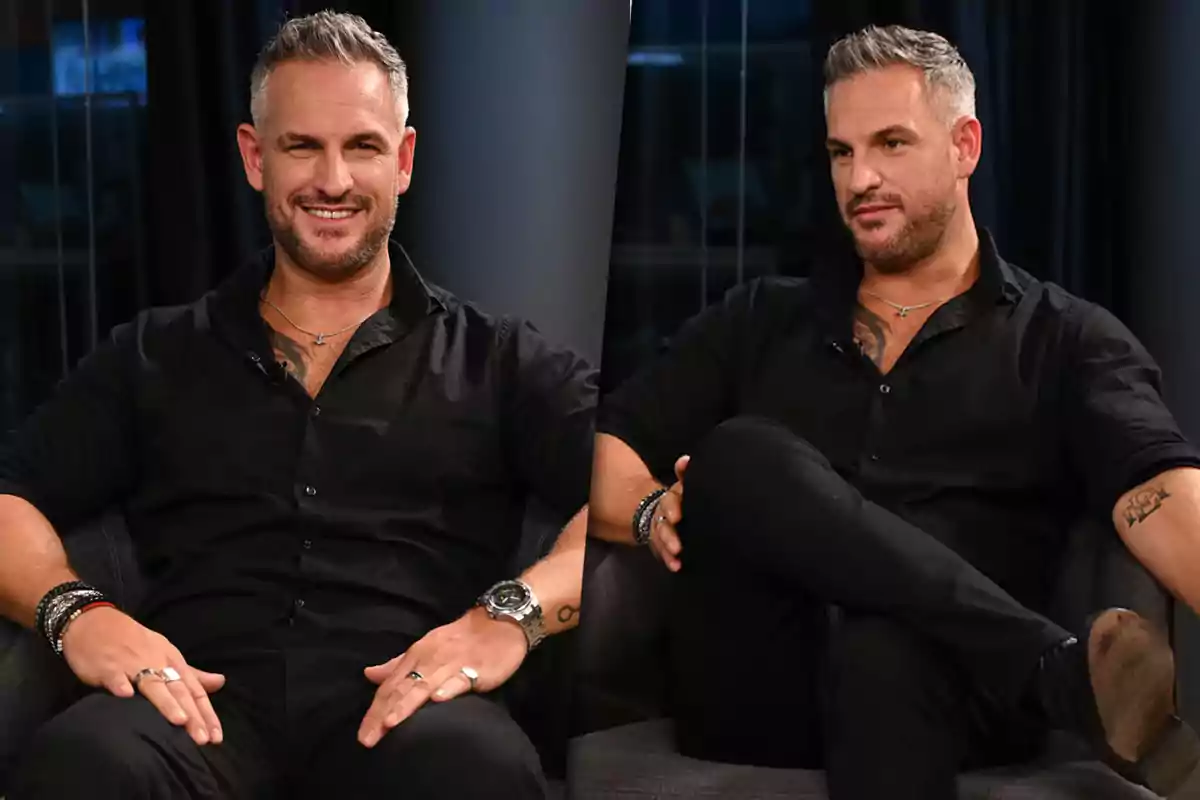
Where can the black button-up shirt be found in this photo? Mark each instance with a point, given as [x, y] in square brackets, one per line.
[355, 521]
[1016, 409]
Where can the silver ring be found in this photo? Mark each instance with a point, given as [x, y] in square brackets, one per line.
[416, 676]
[166, 675]
[660, 519]
[471, 674]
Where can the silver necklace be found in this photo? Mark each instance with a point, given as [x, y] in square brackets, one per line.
[902, 310]
[318, 338]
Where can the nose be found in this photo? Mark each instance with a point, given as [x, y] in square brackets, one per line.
[864, 177]
[333, 176]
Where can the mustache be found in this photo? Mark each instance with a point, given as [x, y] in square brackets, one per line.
[861, 200]
[349, 201]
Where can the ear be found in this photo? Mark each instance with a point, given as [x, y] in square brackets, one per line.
[404, 160]
[250, 146]
[967, 139]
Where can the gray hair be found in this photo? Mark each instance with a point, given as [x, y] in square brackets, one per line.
[328, 36]
[946, 73]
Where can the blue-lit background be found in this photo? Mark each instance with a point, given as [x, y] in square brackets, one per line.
[115, 53]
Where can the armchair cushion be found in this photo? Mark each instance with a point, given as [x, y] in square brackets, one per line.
[640, 761]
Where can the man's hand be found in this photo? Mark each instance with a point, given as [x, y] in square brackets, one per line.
[493, 648]
[664, 539]
[105, 647]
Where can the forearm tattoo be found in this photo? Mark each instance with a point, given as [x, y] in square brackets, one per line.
[567, 613]
[1143, 503]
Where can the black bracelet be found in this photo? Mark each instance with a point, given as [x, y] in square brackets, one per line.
[57, 591]
[642, 517]
[65, 609]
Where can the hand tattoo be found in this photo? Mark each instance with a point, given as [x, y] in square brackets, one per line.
[566, 614]
[290, 354]
[870, 333]
[1143, 503]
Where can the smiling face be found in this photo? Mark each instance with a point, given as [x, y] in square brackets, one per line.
[899, 169]
[330, 157]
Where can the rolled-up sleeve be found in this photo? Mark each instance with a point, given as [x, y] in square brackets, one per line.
[73, 457]
[1120, 431]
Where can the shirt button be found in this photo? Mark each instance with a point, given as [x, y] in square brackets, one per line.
[316, 411]
[874, 456]
[884, 388]
[299, 602]
[311, 491]
[308, 544]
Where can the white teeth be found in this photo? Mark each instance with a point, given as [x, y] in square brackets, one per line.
[326, 214]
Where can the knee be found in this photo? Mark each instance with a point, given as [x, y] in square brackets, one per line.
[740, 466]
[108, 755]
[467, 747]
[737, 440]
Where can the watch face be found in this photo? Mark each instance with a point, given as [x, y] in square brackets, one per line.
[510, 597]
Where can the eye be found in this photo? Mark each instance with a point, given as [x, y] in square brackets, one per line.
[366, 146]
[893, 144]
[300, 146]
[839, 152]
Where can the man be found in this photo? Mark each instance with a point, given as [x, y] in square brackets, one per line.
[324, 464]
[881, 464]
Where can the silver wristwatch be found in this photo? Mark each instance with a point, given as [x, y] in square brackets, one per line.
[514, 600]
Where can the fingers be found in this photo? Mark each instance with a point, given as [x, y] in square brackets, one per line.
[162, 698]
[184, 702]
[379, 673]
[119, 684]
[185, 697]
[680, 466]
[211, 681]
[386, 701]
[206, 721]
[664, 538]
[664, 541]
[457, 684]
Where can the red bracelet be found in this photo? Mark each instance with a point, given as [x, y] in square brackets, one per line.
[97, 604]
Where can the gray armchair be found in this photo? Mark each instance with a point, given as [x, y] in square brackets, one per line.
[631, 752]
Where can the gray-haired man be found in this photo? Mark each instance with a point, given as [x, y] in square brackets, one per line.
[905, 435]
[324, 465]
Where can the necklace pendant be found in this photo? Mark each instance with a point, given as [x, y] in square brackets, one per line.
[903, 311]
[320, 339]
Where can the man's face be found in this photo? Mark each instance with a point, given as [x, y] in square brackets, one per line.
[896, 164]
[330, 157]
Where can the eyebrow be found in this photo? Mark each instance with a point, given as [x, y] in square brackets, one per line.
[883, 133]
[290, 138]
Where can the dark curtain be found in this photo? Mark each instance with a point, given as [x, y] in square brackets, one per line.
[1059, 103]
[203, 219]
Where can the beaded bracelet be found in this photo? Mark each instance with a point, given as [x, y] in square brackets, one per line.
[58, 590]
[59, 607]
[62, 605]
[57, 642]
[644, 514]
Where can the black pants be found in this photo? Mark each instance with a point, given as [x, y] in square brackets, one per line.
[107, 747]
[814, 628]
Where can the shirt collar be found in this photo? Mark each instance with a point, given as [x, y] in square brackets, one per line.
[235, 301]
[836, 279]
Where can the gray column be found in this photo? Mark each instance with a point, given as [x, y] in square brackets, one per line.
[518, 109]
